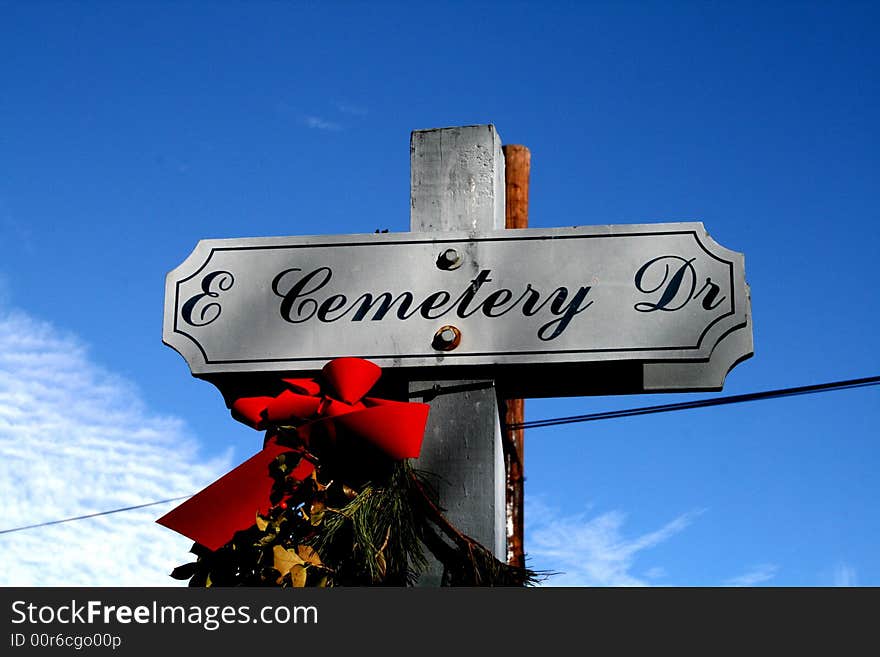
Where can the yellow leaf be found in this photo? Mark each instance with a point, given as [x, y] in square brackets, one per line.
[298, 576]
[285, 560]
[308, 555]
[262, 523]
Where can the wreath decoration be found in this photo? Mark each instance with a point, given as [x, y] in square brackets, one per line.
[332, 499]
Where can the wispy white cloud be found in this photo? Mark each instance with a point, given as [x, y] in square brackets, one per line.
[318, 123]
[845, 575]
[75, 439]
[591, 551]
[755, 575]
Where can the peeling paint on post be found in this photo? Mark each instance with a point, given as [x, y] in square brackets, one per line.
[457, 183]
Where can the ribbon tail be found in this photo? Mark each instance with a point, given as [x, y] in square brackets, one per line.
[212, 516]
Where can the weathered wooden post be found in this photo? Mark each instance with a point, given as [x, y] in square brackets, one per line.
[457, 184]
[517, 168]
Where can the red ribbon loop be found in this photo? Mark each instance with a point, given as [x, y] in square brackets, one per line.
[212, 516]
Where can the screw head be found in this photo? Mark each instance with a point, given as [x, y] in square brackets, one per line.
[446, 338]
[449, 259]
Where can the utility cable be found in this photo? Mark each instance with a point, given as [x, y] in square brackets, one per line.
[702, 403]
[552, 422]
[92, 515]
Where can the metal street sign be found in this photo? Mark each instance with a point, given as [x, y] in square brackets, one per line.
[665, 297]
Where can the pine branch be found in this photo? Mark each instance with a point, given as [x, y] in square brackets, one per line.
[470, 563]
[342, 533]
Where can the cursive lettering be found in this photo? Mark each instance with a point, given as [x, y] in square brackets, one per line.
[298, 289]
[299, 303]
[567, 310]
[212, 285]
[675, 279]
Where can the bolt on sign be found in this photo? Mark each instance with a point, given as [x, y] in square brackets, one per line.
[625, 308]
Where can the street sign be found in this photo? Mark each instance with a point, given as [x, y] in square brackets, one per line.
[664, 300]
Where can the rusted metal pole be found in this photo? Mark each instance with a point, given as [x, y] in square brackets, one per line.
[517, 165]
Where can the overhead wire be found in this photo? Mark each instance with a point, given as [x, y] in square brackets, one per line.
[572, 419]
[92, 515]
[702, 403]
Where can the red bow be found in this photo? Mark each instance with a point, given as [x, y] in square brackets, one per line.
[212, 516]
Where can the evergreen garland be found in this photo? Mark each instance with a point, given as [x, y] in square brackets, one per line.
[360, 519]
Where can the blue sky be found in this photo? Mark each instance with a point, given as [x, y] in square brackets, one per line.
[130, 131]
